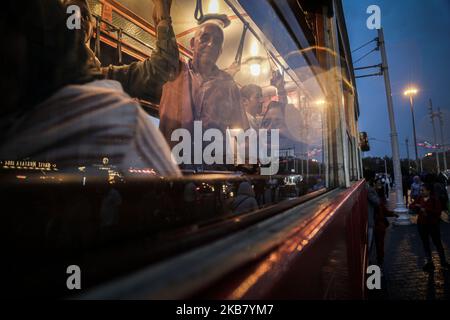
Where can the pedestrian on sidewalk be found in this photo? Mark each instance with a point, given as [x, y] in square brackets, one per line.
[381, 222]
[440, 187]
[386, 184]
[428, 207]
[373, 203]
[415, 188]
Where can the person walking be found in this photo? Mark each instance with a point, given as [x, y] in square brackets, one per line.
[381, 222]
[429, 211]
[386, 186]
[373, 203]
[415, 188]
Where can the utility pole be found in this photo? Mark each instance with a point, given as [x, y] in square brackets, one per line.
[400, 209]
[407, 155]
[443, 145]
[421, 165]
[432, 115]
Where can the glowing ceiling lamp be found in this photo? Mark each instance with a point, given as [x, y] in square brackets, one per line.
[292, 100]
[255, 69]
[213, 6]
[321, 102]
[254, 50]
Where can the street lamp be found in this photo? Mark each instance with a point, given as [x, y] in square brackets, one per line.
[411, 92]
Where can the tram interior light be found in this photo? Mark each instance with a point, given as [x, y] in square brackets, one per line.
[321, 103]
[213, 6]
[255, 69]
[254, 50]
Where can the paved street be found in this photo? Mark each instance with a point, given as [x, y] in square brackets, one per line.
[404, 257]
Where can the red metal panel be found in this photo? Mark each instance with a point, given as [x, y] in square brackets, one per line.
[325, 258]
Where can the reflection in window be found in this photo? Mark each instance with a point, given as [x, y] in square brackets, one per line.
[271, 68]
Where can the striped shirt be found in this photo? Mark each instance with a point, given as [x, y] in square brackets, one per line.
[82, 124]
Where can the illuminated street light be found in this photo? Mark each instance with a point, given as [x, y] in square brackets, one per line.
[411, 92]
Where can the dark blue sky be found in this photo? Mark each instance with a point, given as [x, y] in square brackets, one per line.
[417, 34]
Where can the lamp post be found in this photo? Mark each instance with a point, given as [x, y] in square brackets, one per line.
[400, 207]
[411, 92]
[432, 116]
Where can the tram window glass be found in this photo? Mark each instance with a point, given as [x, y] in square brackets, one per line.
[290, 98]
[279, 77]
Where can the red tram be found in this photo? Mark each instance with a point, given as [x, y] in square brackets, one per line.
[146, 237]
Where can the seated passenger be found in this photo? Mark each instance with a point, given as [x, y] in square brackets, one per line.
[56, 113]
[141, 79]
[202, 91]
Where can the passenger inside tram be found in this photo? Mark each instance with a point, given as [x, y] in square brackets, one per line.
[202, 92]
[199, 87]
[90, 120]
[140, 79]
[70, 118]
[252, 101]
[87, 27]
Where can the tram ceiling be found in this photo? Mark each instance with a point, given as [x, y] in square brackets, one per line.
[280, 42]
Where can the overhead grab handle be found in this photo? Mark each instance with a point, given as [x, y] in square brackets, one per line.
[198, 15]
[238, 58]
[202, 18]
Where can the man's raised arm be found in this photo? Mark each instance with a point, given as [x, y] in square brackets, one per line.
[144, 79]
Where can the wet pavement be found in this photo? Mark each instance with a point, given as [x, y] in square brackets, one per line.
[403, 277]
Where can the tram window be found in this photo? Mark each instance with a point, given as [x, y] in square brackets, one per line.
[275, 94]
[242, 68]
